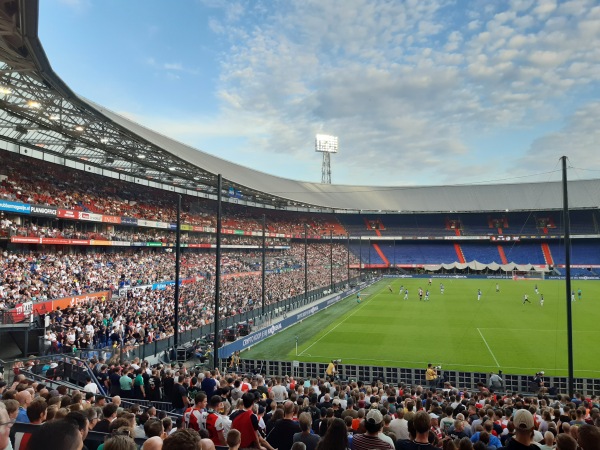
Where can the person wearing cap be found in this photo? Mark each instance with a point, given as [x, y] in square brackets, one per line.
[370, 439]
[523, 437]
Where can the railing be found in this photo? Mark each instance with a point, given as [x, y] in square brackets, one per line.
[395, 375]
[73, 380]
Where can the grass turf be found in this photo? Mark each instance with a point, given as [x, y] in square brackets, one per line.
[454, 329]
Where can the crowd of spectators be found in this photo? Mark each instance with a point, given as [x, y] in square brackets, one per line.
[142, 315]
[66, 188]
[237, 410]
[126, 234]
[45, 276]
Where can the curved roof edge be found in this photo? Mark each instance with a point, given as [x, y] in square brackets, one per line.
[500, 197]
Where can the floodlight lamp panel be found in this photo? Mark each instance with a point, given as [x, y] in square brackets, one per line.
[325, 143]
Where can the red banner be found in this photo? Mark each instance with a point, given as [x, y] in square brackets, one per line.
[67, 302]
[66, 214]
[111, 219]
[23, 310]
[25, 240]
[54, 241]
[199, 245]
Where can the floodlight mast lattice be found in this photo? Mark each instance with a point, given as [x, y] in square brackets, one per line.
[327, 145]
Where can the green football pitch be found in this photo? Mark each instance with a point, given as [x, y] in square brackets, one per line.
[453, 329]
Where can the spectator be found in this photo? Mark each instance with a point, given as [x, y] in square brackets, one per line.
[195, 417]
[282, 434]
[214, 422]
[336, 437]
[182, 440]
[89, 386]
[305, 436]
[93, 416]
[179, 398]
[279, 391]
[36, 411]
[109, 414]
[370, 439]
[56, 435]
[589, 437]
[549, 441]
[81, 420]
[120, 442]
[234, 438]
[153, 443]
[565, 442]
[24, 399]
[524, 425]
[6, 424]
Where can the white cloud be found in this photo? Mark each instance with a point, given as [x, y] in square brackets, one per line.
[173, 66]
[578, 140]
[545, 7]
[405, 84]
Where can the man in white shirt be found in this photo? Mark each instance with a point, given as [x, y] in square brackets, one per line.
[399, 425]
[90, 387]
[279, 392]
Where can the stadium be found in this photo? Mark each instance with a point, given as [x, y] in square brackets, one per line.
[105, 221]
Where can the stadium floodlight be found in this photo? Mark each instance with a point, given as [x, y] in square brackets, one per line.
[33, 104]
[141, 156]
[327, 145]
[5, 90]
[79, 128]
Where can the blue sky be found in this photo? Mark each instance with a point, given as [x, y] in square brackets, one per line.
[419, 92]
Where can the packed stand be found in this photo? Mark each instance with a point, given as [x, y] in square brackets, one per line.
[236, 410]
[45, 276]
[66, 188]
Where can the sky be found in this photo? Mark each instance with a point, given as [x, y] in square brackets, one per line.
[419, 92]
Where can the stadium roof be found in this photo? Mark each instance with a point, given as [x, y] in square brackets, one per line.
[41, 113]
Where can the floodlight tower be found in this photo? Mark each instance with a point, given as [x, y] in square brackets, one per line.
[327, 145]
